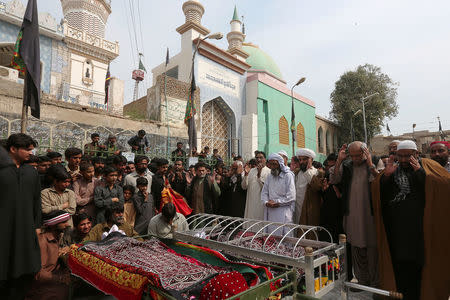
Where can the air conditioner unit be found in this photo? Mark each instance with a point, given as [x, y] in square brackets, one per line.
[9, 74]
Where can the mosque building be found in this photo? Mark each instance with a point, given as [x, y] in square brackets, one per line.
[243, 103]
[74, 53]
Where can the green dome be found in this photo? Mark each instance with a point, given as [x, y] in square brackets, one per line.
[260, 60]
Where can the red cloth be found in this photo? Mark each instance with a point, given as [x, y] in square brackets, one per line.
[224, 286]
[169, 195]
[446, 144]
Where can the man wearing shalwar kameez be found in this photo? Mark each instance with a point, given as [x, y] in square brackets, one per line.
[253, 182]
[307, 190]
[278, 194]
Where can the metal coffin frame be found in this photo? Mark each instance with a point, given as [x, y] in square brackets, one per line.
[204, 226]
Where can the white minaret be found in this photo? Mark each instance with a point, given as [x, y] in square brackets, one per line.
[235, 37]
[87, 15]
[192, 28]
[189, 31]
[90, 53]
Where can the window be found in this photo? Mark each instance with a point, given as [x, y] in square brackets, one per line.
[283, 128]
[320, 140]
[300, 136]
[328, 142]
[88, 72]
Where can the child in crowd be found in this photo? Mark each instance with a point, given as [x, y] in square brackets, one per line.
[58, 196]
[111, 192]
[84, 190]
[143, 203]
[129, 213]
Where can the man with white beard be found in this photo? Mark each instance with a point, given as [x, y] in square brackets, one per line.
[278, 193]
[307, 202]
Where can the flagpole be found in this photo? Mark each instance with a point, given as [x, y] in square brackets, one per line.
[23, 121]
[167, 112]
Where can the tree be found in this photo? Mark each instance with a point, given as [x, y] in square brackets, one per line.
[351, 87]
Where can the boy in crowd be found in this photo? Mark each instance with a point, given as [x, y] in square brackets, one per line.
[55, 157]
[144, 205]
[42, 168]
[129, 213]
[131, 167]
[105, 196]
[33, 161]
[73, 159]
[120, 163]
[59, 197]
[84, 190]
[82, 226]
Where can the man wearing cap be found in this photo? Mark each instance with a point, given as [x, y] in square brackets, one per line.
[412, 231]
[439, 151]
[52, 281]
[307, 202]
[284, 155]
[354, 176]
[392, 147]
[278, 193]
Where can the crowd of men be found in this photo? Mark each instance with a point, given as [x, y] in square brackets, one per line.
[383, 205]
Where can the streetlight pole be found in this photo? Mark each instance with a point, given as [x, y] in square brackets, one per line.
[364, 114]
[215, 36]
[300, 81]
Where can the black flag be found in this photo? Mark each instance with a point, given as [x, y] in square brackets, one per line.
[441, 132]
[388, 129]
[27, 58]
[189, 117]
[107, 82]
[167, 56]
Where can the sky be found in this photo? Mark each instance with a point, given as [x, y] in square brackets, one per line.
[320, 40]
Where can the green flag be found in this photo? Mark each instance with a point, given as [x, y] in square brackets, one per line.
[141, 66]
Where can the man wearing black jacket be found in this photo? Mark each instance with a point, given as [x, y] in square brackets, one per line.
[20, 205]
[203, 192]
[139, 143]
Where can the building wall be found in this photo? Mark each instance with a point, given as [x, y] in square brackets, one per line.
[232, 94]
[99, 69]
[63, 124]
[379, 144]
[8, 34]
[278, 104]
[325, 128]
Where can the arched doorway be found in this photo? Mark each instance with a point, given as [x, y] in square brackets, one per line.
[216, 126]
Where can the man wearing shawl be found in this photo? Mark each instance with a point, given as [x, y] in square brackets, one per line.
[354, 175]
[278, 193]
[410, 203]
[307, 188]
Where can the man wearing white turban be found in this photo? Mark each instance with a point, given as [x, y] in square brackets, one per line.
[278, 193]
[284, 155]
[307, 188]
